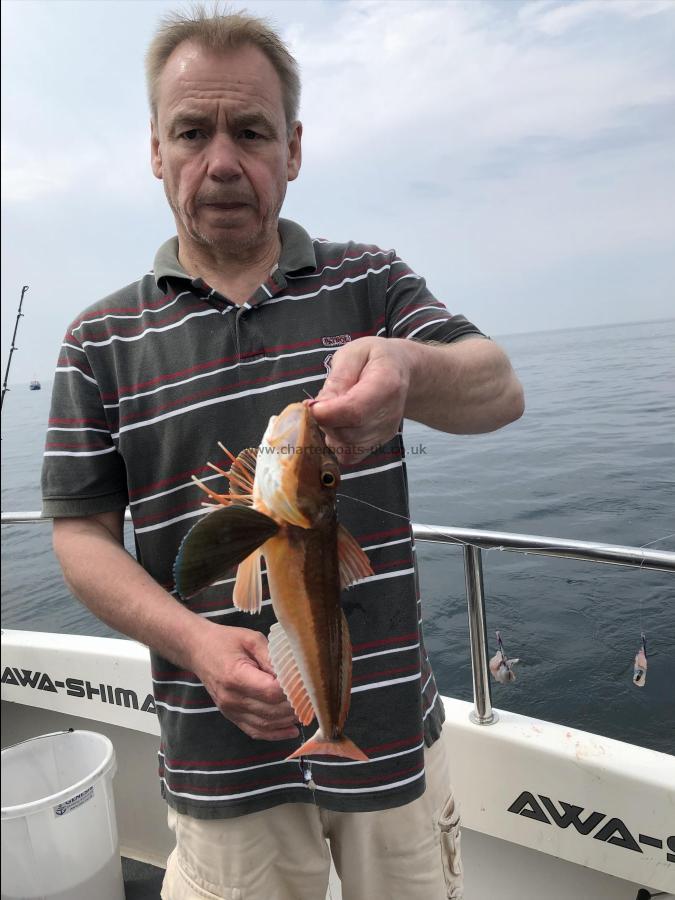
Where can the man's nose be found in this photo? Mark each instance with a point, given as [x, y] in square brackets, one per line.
[223, 158]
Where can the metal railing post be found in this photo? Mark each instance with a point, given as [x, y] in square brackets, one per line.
[482, 713]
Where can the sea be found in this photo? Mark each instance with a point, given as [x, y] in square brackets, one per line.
[593, 458]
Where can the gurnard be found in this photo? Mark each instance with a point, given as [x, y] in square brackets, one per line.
[282, 506]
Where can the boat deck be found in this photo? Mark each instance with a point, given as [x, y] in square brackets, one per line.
[141, 881]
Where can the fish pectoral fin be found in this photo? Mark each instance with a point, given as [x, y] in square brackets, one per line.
[242, 472]
[290, 679]
[247, 595]
[219, 541]
[353, 563]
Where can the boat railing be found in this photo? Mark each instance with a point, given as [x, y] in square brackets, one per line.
[473, 541]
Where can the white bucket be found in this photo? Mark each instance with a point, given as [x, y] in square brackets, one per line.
[59, 834]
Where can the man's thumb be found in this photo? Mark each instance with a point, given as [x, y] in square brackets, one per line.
[258, 649]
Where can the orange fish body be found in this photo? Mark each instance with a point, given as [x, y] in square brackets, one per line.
[281, 506]
[309, 612]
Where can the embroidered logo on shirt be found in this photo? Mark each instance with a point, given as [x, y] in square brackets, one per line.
[337, 340]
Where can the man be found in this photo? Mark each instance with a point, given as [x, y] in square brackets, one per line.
[243, 313]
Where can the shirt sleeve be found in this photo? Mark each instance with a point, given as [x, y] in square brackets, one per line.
[412, 311]
[82, 472]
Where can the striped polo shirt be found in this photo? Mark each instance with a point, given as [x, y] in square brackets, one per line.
[148, 381]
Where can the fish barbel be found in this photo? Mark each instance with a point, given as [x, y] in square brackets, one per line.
[282, 506]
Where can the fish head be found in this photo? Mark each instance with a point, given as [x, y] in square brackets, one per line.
[296, 473]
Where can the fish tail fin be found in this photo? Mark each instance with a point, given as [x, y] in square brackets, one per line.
[319, 746]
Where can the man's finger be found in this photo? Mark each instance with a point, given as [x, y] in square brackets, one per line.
[254, 682]
[248, 704]
[368, 402]
[257, 646]
[346, 370]
[262, 731]
[348, 448]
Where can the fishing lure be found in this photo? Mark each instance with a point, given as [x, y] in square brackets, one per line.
[501, 666]
[640, 664]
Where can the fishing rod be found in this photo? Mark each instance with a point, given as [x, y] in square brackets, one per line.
[13, 347]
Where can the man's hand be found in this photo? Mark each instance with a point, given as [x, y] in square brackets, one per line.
[465, 387]
[233, 664]
[234, 667]
[363, 400]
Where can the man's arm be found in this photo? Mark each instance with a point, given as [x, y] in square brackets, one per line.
[232, 663]
[466, 387]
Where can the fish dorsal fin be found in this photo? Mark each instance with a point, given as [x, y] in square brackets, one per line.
[242, 472]
[247, 595]
[354, 565]
[290, 679]
[219, 541]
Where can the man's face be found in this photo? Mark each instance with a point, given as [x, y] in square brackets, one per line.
[220, 144]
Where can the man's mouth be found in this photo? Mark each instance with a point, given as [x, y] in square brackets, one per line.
[225, 205]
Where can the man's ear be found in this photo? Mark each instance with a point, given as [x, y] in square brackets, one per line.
[294, 152]
[155, 150]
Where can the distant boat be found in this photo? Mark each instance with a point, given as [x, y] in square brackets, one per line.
[35, 385]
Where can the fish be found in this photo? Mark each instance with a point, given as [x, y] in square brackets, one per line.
[282, 507]
[640, 664]
[501, 666]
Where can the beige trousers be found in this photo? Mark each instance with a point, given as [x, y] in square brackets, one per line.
[408, 853]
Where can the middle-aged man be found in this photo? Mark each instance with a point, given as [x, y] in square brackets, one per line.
[242, 313]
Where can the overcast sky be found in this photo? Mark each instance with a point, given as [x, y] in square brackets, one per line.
[519, 155]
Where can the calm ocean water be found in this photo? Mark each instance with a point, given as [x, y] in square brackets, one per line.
[593, 459]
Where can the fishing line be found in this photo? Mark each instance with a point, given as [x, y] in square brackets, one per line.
[648, 544]
[642, 631]
[455, 540]
[452, 540]
[379, 508]
[306, 773]
[640, 666]
[525, 550]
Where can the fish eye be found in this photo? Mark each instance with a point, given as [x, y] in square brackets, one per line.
[328, 479]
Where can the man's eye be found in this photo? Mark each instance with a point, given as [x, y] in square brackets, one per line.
[250, 135]
[192, 134]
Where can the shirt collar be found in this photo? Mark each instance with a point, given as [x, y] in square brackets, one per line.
[297, 249]
[297, 255]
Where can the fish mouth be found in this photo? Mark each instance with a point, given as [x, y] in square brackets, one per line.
[276, 481]
[284, 431]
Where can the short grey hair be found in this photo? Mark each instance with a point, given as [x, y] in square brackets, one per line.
[221, 32]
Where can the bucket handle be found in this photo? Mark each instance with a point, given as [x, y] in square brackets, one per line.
[37, 738]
